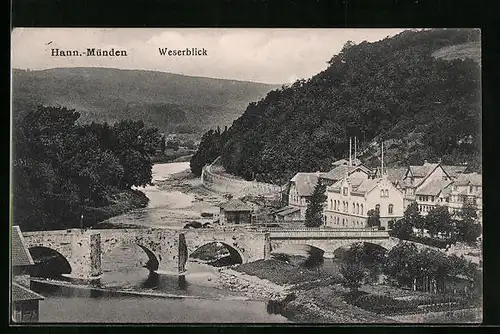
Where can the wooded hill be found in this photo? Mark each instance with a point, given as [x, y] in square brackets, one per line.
[410, 90]
[169, 102]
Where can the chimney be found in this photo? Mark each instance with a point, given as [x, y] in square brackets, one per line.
[425, 162]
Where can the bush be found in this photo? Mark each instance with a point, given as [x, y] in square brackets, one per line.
[439, 243]
[383, 304]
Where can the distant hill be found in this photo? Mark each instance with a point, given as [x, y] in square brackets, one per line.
[419, 91]
[170, 102]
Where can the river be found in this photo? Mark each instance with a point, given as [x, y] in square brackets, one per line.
[122, 269]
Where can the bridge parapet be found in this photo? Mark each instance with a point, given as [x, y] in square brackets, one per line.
[327, 234]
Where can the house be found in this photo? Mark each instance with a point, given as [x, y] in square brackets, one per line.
[466, 188]
[300, 190]
[432, 194]
[417, 177]
[24, 302]
[235, 211]
[350, 199]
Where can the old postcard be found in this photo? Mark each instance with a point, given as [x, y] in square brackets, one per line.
[246, 176]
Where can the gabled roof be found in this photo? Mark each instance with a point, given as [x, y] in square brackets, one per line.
[20, 253]
[395, 174]
[473, 179]
[454, 171]
[423, 171]
[340, 171]
[305, 183]
[433, 188]
[20, 293]
[235, 205]
[365, 186]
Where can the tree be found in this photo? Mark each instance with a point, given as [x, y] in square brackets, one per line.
[467, 226]
[438, 220]
[401, 263]
[373, 217]
[353, 274]
[413, 217]
[402, 229]
[315, 205]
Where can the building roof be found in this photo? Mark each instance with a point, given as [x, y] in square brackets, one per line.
[20, 253]
[395, 174]
[339, 172]
[288, 211]
[20, 293]
[433, 188]
[473, 179]
[341, 162]
[365, 185]
[235, 205]
[454, 171]
[305, 182]
[423, 171]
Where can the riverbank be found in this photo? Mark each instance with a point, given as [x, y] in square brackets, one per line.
[320, 297]
[120, 203]
[309, 296]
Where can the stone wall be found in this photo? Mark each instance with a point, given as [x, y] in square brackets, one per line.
[236, 187]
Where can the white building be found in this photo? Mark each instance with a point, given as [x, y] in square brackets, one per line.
[350, 199]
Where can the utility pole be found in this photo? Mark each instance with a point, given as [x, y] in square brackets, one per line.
[81, 222]
[350, 160]
[382, 171]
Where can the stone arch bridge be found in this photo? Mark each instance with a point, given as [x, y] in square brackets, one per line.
[168, 249]
[328, 240]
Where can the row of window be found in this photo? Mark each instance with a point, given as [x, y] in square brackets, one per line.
[424, 198]
[345, 221]
[335, 205]
[357, 208]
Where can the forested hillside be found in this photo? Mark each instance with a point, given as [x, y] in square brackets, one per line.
[425, 106]
[169, 102]
[62, 170]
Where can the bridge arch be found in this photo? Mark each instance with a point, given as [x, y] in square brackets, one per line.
[48, 262]
[153, 262]
[234, 252]
[374, 245]
[306, 247]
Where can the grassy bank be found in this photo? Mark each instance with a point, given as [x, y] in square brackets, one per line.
[314, 296]
[120, 204]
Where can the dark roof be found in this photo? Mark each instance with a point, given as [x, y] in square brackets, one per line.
[454, 171]
[20, 293]
[305, 183]
[20, 253]
[433, 188]
[235, 205]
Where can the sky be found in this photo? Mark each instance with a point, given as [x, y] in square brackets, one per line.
[274, 56]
